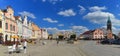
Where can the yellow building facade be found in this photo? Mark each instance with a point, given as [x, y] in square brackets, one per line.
[1, 26]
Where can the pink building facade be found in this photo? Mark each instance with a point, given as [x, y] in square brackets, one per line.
[93, 34]
[98, 34]
[10, 25]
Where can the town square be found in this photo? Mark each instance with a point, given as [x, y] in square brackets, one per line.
[59, 28]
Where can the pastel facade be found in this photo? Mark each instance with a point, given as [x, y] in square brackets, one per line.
[30, 29]
[98, 34]
[44, 34]
[87, 35]
[2, 25]
[19, 25]
[25, 28]
[10, 25]
[36, 33]
[93, 34]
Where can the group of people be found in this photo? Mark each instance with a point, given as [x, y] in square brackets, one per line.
[23, 46]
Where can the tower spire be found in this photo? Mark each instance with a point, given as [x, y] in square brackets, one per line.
[109, 29]
[109, 19]
[109, 24]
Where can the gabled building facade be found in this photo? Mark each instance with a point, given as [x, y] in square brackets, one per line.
[87, 34]
[2, 26]
[25, 28]
[98, 34]
[44, 34]
[36, 32]
[12, 28]
[93, 34]
[29, 29]
[19, 25]
[10, 25]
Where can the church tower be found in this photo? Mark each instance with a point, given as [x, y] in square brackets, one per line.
[109, 24]
[109, 29]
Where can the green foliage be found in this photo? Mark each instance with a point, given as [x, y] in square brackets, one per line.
[72, 37]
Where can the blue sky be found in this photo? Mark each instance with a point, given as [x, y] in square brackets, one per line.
[60, 15]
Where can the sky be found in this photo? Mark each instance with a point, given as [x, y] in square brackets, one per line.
[70, 15]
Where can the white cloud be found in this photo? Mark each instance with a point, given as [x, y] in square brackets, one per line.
[52, 1]
[100, 17]
[55, 30]
[60, 24]
[115, 30]
[71, 24]
[118, 14]
[50, 20]
[43, 0]
[79, 29]
[97, 8]
[117, 5]
[52, 30]
[68, 12]
[29, 14]
[82, 9]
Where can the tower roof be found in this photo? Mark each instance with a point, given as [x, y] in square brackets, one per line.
[109, 19]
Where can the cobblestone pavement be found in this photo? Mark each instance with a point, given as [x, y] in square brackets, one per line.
[92, 49]
[81, 48]
[50, 49]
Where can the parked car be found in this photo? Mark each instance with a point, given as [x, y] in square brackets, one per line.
[105, 41]
[116, 41]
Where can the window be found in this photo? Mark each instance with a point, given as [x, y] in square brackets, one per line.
[6, 24]
[100, 33]
[11, 27]
[95, 36]
[95, 33]
[0, 24]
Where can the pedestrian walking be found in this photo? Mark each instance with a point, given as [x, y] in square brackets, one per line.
[57, 41]
[98, 42]
[25, 46]
[44, 43]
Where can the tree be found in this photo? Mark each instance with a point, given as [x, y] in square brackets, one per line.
[73, 37]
